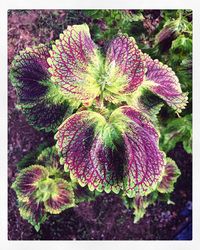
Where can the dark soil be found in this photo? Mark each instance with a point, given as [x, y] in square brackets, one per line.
[106, 218]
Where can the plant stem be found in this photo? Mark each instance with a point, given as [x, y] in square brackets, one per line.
[101, 96]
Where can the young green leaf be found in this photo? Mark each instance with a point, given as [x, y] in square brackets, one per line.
[182, 43]
[177, 130]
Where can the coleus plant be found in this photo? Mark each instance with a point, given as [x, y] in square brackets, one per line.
[102, 108]
[43, 189]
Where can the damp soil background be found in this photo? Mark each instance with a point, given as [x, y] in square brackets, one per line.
[106, 218]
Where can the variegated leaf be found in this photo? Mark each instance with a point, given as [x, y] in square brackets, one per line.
[170, 176]
[61, 199]
[162, 81]
[27, 181]
[120, 152]
[124, 65]
[40, 101]
[29, 74]
[73, 60]
[34, 212]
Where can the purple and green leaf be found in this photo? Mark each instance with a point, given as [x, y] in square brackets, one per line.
[126, 60]
[145, 102]
[40, 191]
[45, 114]
[50, 158]
[169, 178]
[27, 181]
[145, 160]
[33, 212]
[162, 81]
[62, 198]
[29, 74]
[72, 58]
[118, 153]
[40, 101]
[139, 204]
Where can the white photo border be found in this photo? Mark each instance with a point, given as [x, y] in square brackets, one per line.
[99, 4]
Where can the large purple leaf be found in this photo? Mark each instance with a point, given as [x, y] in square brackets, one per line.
[45, 114]
[40, 101]
[124, 57]
[84, 152]
[118, 153]
[29, 72]
[145, 161]
[70, 61]
[162, 81]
